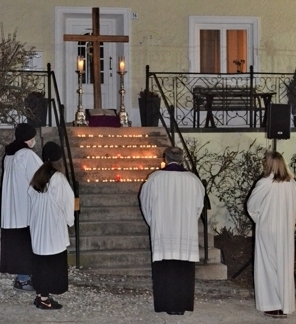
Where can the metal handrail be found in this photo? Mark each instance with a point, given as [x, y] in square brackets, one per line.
[192, 110]
[56, 108]
[174, 128]
[59, 114]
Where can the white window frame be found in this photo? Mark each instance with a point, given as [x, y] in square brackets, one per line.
[196, 23]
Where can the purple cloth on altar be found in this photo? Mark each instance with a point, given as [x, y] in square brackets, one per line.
[102, 120]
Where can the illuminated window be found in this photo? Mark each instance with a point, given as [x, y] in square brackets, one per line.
[222, 44]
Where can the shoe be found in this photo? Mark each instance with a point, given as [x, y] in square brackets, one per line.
[23, 286]
[276, 314]
[37, 301]
[175, 313]
[49, 303]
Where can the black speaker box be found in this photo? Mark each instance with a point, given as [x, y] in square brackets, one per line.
[279, 121]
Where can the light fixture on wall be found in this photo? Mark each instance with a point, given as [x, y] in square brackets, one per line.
[123, 116]
[80, 115]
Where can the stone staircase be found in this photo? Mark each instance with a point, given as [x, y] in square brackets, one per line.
[111, 164]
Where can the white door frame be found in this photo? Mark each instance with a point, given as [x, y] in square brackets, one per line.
[63, 13]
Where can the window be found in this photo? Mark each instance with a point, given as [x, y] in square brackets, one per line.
[223, 44]
[85, 49]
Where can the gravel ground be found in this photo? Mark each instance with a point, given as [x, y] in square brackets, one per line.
[93, 298]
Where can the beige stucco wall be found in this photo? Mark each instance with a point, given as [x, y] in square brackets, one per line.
[160, 36]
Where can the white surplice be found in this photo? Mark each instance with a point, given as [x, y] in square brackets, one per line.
[51, 214]
[18, 172]
[272, 206]
[172, 203]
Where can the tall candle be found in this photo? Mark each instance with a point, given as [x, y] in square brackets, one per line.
[80, 63]
[121, 65]
[162, 165]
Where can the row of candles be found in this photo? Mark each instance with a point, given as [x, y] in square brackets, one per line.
[118, 146]
[162, 165]
[91, 135]
[121, 157]
[120, 168]
[117, 179]
[80, 64]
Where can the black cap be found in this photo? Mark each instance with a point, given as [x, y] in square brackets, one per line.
[24, 132]
[51, 152]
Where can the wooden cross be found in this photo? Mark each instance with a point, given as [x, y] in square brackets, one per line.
[96, 38]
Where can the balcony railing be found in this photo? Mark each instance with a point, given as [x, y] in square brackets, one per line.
[231, 100]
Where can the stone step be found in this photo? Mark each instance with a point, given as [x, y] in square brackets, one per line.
[119, 242]
[98, 259]
[107, 242]
[116, 153]
[112, 228]
[114, 237]
[110, 187]
[213, 271]
[114, 131]
[109, 199]
[113, 175]
[122, 142]
[135, 257]
[106, 131]
[135, 164]
[110, 213]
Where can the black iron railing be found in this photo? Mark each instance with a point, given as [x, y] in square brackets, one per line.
[45, 82]
[59, 113]
[195, 100]
[237, 100]
[173, 130]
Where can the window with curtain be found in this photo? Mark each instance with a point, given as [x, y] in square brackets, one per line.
[222, 44]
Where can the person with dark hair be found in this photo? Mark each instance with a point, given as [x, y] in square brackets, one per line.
[272, 206]
[172, 200]
[19, 166]
[51, 212]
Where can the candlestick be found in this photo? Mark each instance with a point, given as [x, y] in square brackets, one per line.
[123, 116]
[80, 116]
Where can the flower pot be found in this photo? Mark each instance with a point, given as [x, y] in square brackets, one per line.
[38, 107]
[149, 114]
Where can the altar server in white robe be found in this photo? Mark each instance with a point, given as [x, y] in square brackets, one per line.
[19, 165]
[172, 200]
[52, 211]
[272, 206]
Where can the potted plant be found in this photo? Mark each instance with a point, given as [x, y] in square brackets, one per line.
[291, 94]
[37, 104]
[149, 103]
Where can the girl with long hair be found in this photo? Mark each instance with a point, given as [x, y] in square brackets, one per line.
[52, 211]
[272, 206]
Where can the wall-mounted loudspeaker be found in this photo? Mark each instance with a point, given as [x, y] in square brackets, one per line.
[279, 121]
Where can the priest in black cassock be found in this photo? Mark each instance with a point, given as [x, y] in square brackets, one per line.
[172, 201]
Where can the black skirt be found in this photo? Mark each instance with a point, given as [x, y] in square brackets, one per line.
[173, 285]
[50, 273]
[16, 251]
